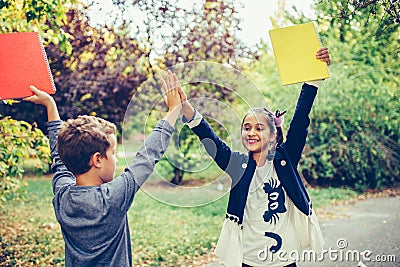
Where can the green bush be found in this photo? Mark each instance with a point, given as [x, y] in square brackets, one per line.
[354, 137]
[19, 142]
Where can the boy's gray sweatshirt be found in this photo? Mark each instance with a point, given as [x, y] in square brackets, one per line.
[93, 219]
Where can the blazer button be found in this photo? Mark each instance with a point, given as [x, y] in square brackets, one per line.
[244, 165]
[283, 163]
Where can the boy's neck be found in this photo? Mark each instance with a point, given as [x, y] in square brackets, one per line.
[88, 179]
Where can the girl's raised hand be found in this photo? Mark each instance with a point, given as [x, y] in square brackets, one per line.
[323, 54]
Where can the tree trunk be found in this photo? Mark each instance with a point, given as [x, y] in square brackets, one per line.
[178, 176]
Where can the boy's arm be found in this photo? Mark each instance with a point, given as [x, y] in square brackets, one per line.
[154, 146]
[61, 174]
[215, 147]
[157, 142]
[149, 154]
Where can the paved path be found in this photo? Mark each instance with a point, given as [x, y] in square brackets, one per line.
[371, 225]
[362, 234]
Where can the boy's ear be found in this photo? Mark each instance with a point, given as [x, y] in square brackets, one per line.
[95, 160]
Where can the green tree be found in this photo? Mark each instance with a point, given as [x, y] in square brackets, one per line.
[19, 141]
[205, 32]
[364, 36]
[45, 17]
[355, 130]
[379, 18]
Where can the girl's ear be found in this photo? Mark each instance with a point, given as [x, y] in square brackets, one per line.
[272, 137]
[95, 160]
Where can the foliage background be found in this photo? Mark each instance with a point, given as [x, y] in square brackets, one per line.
[353, 139]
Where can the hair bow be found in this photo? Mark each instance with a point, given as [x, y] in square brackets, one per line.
[278, 118]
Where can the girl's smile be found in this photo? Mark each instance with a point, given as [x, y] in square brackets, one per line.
[252, 141]
[256, 133]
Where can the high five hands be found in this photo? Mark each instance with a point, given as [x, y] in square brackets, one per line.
[171, 87]
[176, 99]
[171, 82]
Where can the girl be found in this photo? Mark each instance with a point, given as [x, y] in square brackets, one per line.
[269, 218]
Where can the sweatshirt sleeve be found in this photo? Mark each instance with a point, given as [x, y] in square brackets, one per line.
[219, 151]
[129, 182]
[61, 175]
[298, 129]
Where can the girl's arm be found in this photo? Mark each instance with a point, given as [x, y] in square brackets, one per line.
[298, 130]
[215, 147]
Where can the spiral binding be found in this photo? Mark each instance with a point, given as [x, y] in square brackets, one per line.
[47, 62]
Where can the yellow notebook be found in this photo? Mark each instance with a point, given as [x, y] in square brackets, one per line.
[295, 48]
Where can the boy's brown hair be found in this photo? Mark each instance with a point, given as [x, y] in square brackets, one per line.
[80, 138]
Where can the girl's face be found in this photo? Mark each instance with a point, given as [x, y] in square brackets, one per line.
[256, 134]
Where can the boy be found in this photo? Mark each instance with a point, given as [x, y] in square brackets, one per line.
[90, 204]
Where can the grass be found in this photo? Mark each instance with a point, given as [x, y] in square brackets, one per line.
[30, 235]
[162, 235]
[327, 196]
[173, 236]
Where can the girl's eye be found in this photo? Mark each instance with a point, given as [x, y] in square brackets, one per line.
[260, 129]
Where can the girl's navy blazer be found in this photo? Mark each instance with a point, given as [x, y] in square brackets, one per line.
[241, 167]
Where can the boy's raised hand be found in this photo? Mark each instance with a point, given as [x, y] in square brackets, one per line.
[171, 88]
[39, 97]
[43, 98]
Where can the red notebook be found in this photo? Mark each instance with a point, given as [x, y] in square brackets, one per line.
[23, 62]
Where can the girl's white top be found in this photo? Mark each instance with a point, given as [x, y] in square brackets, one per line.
[274, 232]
